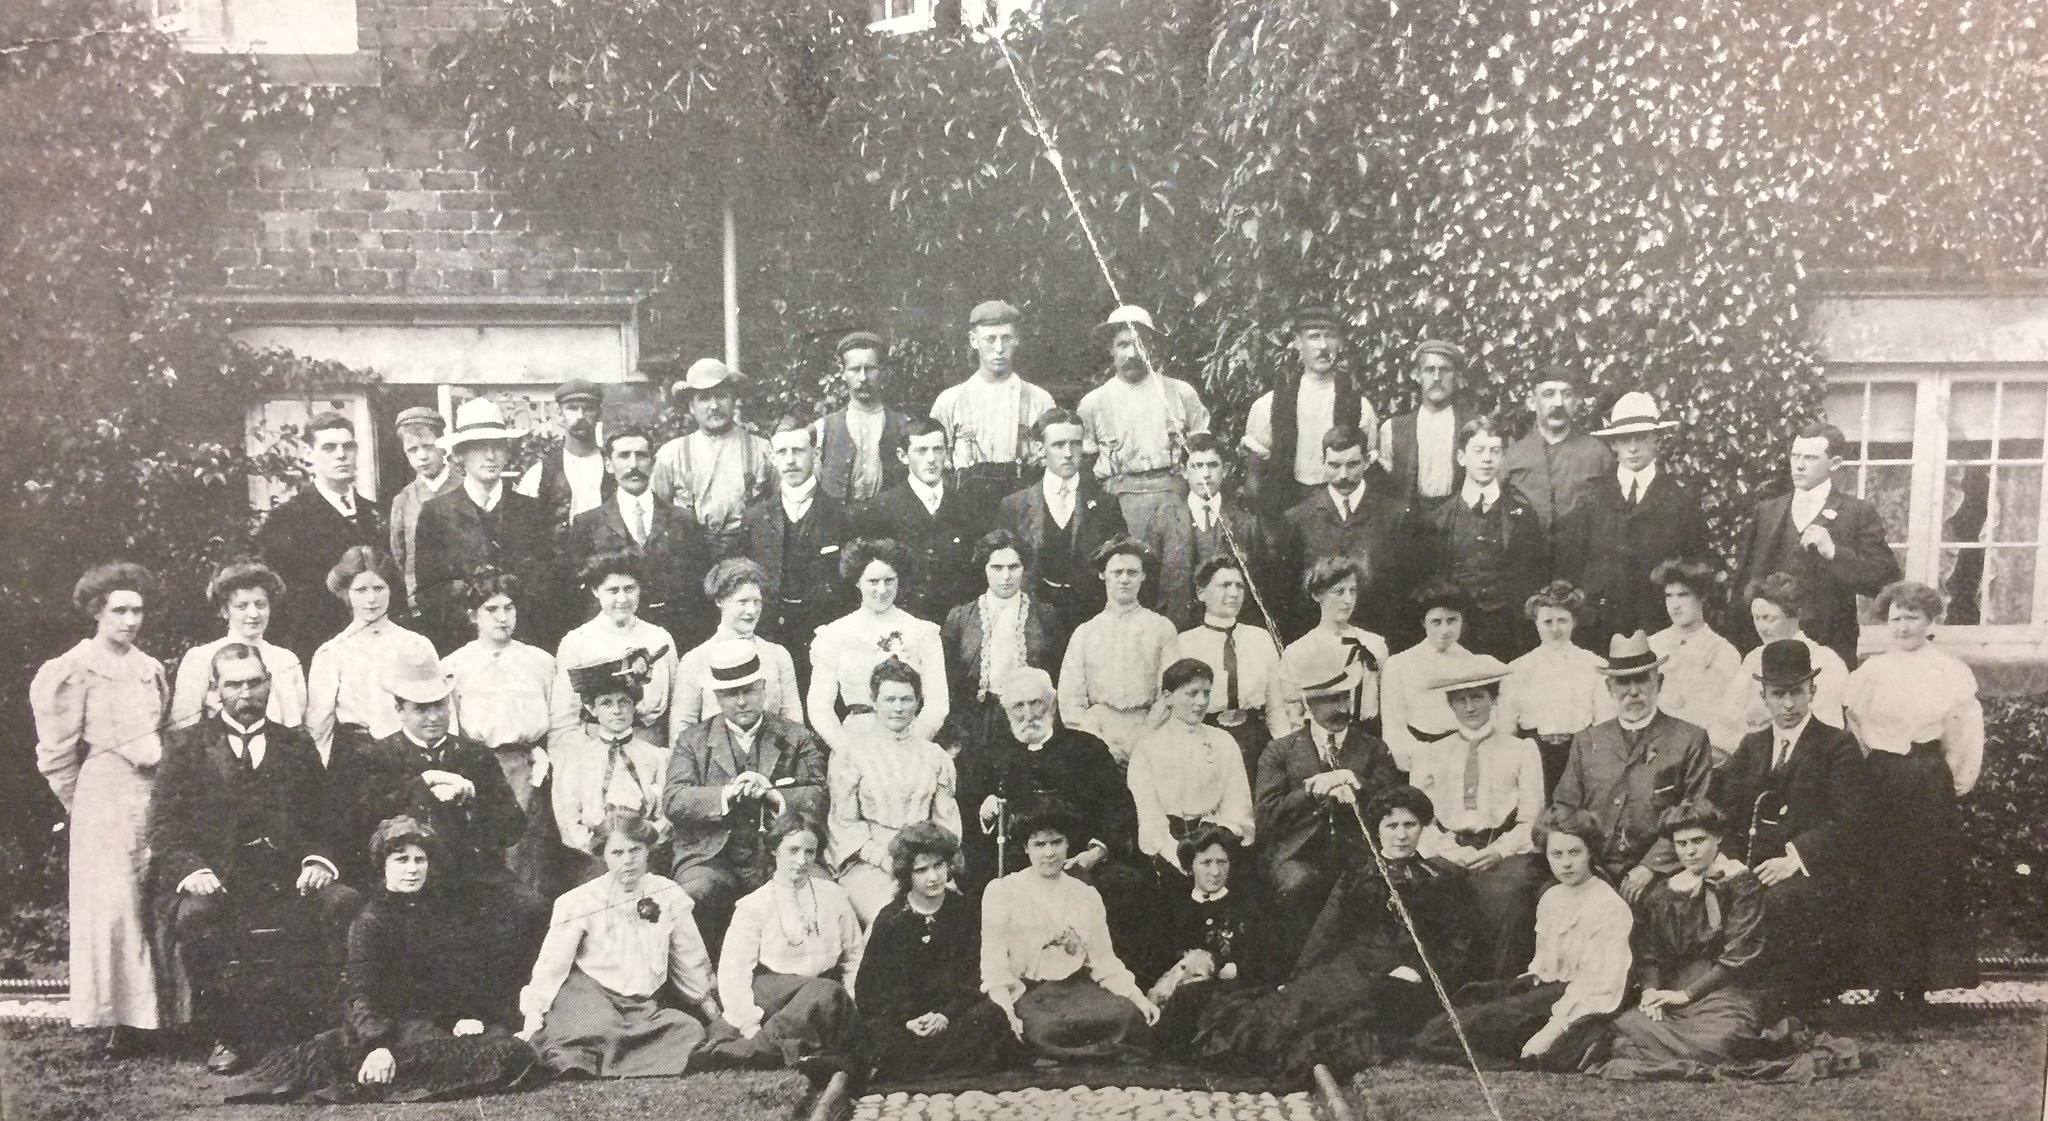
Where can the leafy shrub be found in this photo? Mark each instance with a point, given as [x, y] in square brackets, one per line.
[2005, 829]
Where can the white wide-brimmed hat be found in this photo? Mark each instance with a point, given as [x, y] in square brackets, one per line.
[1635, 412]
[478, 419]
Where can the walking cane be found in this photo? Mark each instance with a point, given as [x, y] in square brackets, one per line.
[1002, 836]
[1755, 810]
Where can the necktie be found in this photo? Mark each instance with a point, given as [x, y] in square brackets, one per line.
[1784, 753]
[348, 505]
[1208, 516]
[1229, 664]
[1635, 491]
[1343, 509]
[1356, 653]
[245, 745]
[640, 523]
[1472, 775]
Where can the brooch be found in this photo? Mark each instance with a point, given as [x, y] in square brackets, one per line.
[649, 909]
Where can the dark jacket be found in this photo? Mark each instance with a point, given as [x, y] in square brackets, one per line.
[675, 556]
[941, 546]
[1264, 541]
[1072, 766]
[301, 540]
[1523, 547]
[1294, 825]
[1863, 564]
[415, 959]
[209, 810]
[455, 537]
[475, 832]
[1626, 788]
[1378, 535]
[1813, 803]
[1045, 643]
[555, 494]
[1098, 517]
[705, 759]
[810, 595]
[1609, 548]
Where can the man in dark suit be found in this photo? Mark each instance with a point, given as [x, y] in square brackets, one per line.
[483, 522]
[1832, 541]
[857, 444]
[935, 522]
[1488, 540]
[240, 836]
[1629, 523]
[1792, 793]
[1306, 785]
[1062, 519]
[1351, 517]
[1628, 770]
[1419, 450]
[728, 779]
[307, 533]
[572, 479]
[1192, 533]
[796, 534]
[1554, 466]
[672, 547]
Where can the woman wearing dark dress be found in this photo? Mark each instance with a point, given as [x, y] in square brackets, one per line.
[920, 992]
[1361, 987]
[414, 1027]
[1215, 935]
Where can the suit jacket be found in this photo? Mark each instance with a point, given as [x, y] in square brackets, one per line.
[1608, 549]
[1404, 458]
[1380, 536]
[941, 546]
[676, 558]
[1290, 821]
[475, 833]
[1863, 564]
[1098, 516]
[208, 807]
[802, 600]
[1524, 548]
[705, 760]
[1626, 789]
[455, 537]
[1813, 803]
[1072, 766]
[1045, 642]
[1264, 540]
[301, 539]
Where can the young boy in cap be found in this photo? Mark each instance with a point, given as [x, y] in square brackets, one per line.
[419, 430]
[988, 415]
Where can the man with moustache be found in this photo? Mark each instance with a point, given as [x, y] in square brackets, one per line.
[712, 474]
[857, 445]
[307, 533]
[1634, 520]
[1284, 430]
[1137, 423]
[672, 547]
[482, 522]
[573, 480]
[1348, 516]
[987, 417]
[795, 535]
[1419, 450]
[1555, 467]
[1204, 527]
[419, 430]
[1062, 520]
[938, 524]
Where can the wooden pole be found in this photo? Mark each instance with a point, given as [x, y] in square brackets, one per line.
[732, 288]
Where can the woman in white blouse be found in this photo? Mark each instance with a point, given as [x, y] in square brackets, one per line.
[601, 767]
[1774, 604]
[592, 1008]
[1555, 690]
[848, 648]
[887, 778]
[1046, 957]
[787, 969]
[1109, 678]
[347, 706]
[1702, 667]
[1577, 977]
[1186, 772]
[1414, 714]
[244, 593]
[1334, 583]
[739, 587]
[615, 579]
[1916, 713]
[502, 691]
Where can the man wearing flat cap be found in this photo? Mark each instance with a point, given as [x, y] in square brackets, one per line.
[1792, 793]
[482, 522]
[711, 474]
[573, 479]
[1137, 423]
[419, 432]
[857, 444]
[1628, 770]
[1633, 520]
[1285, 428]
[1418, 450]
[988, 416]
[1555, 466]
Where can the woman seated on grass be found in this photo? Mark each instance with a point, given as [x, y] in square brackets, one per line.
[1186, 774]
[921, 999]
[1576, 980]
[417, 1021]
[1046, 957]
[885, 778]
[593, 1007]
[1216, 935]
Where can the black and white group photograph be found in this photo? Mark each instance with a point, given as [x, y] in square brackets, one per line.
[958, 560]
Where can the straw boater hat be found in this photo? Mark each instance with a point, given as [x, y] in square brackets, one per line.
[1630, 656]
[1320, 669]
[1470, 672]
[1635, 412]
[735, 664]
[1787, 662]
[710, 373]
[419, 679]
[1129, 315]
[476, 419]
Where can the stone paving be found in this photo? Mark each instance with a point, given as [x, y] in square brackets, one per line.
[1086, 1101]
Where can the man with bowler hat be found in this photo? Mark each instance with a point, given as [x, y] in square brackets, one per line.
[857, 444]
[572, 480]
[987, 417]
[711, 474]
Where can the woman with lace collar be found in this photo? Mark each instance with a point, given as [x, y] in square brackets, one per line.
[998, 632]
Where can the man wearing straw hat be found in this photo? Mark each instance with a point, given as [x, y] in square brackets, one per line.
[482, 522]
[1419, 449]
[710, 475]
[1632, 521]
[988, 416]
[1137, 424]
[1628, 770]
[1308, 782]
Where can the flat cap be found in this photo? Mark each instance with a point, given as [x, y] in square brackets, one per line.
[991, 313]
[420, 414]
[1315, 315]
[1445, 347]
[579, 389]
[861, 340]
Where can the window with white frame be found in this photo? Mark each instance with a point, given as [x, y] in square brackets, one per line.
[1954, 460]
[276, 27]
[902, 17]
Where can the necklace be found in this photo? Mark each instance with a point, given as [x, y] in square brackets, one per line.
[807, 927]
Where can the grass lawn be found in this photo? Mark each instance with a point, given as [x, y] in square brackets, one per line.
[1961, 1066]
[52, 1074]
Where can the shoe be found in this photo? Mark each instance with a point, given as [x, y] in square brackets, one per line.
[818, 1069]
[224, 1060]
[124, 1042]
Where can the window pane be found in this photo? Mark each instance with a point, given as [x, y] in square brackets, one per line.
[1891, 420]
[2022, 419]
[1962, 576]
[2009, 591]
[1965, 503]
[1971, 408]
[1890, 488]
[2019, 505]
[1844, 408]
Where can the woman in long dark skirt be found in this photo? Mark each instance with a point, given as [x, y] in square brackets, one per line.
[417, 1022]
[1218, 936]
[920, 985]
[1361, 987]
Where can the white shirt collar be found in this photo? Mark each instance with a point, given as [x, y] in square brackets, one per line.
[1473, 492]
[1636, 727]
[1475, 735]
[343, 501]
[486, 498]
[1054, 485]
[436, 482]
[1197, 505]
[415, 741]
[628, 502]
[1781, 736]
[1200, 896]
[1644, 478]
[1807, 503]
[238, 729]
[1350, 500]
[743, 737]
[930, 496]
[799, 495]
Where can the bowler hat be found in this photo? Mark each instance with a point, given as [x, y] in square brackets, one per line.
[1629, 655]
[477, 419]
[1786, 662]
[991, 313]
